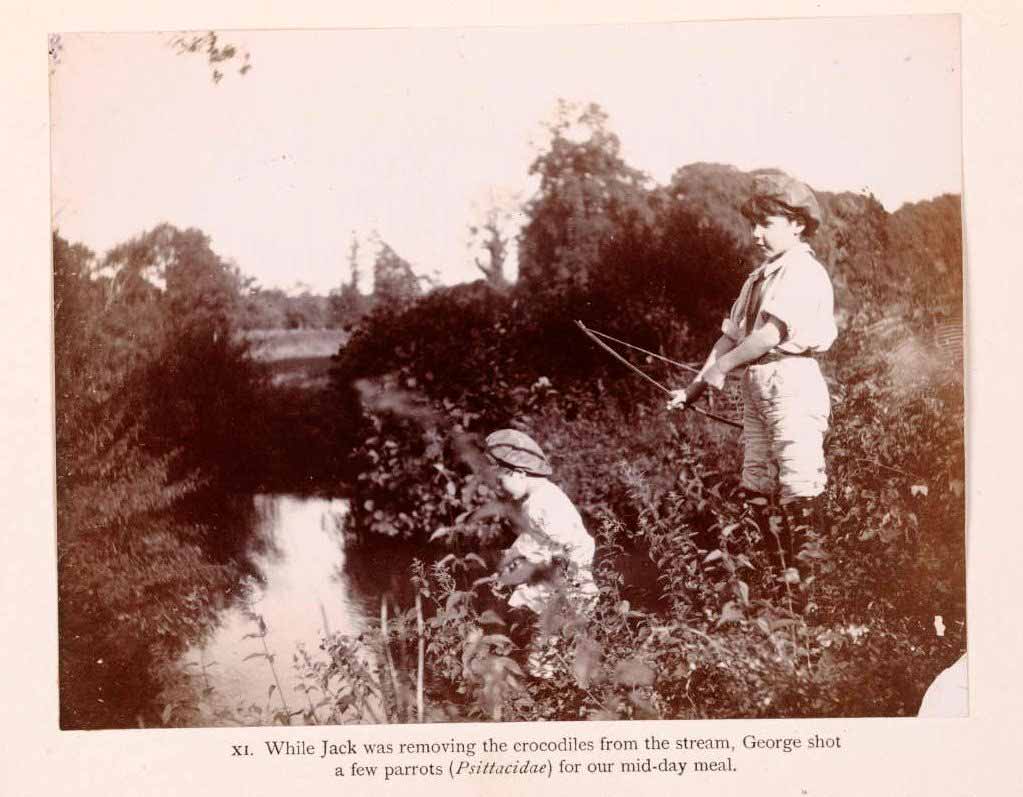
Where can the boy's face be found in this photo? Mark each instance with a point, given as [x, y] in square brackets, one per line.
[513, 483]
[775, 235]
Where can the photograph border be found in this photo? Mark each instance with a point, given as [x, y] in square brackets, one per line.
[903, 756]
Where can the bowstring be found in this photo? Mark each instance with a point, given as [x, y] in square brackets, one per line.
[593, 335]
[692, 368]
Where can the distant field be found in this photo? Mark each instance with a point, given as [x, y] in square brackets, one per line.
[271, 345]
[299, 357]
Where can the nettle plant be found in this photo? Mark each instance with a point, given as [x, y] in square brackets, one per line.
[420, 472]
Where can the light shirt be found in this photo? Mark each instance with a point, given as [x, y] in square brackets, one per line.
[552, 527]
[797, 291]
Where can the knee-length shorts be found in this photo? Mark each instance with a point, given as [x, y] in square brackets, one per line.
[786, 408]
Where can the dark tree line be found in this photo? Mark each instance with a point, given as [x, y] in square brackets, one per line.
[394, 282]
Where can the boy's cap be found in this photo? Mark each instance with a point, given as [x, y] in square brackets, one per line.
[789, 192]
[515, 449]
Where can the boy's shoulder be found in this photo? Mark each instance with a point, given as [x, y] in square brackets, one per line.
[549, 499]
[803, 263]
[801, 254]
[546, 492]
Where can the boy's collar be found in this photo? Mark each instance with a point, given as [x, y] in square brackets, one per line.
[767, 268]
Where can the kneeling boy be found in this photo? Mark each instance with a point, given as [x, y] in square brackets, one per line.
[551, 535]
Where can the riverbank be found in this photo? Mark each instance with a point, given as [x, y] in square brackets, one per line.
[296, 357]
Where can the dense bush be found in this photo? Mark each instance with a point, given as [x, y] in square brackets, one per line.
[721, 636]
[148, 384]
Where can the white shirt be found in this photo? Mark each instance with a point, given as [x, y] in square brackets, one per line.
[552, 528]
[797, 291]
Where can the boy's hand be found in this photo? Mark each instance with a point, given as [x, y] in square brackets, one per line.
[514, 570]
[679, 398]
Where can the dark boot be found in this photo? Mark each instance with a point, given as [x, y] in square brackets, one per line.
[763, 513]
[806, 535]
[754, 508]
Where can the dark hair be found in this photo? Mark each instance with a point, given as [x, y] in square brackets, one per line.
[757, 208]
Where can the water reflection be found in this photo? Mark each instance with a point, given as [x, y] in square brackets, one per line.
[300, 591]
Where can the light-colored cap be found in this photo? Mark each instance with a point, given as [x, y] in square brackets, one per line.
[515, 449]
[793, 194]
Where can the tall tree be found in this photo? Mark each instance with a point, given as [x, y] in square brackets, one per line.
[179, 303]
[394, 282]
[496, 246]
[347, 305]
[926, 248]
[492, 235]
[853, 241]
[587, 196]
[714, 193]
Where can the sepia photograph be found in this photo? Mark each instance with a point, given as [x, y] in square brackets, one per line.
[509, 374]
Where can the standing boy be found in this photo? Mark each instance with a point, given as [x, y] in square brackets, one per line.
[783, 316]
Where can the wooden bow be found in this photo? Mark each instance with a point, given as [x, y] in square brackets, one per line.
[592, 335]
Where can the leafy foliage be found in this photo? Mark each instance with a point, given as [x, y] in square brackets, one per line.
[587, 195]
[394, 282]
[728, 631]
[926, 243]
[149, 380]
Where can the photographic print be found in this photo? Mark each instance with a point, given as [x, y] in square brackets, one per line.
[509, 374]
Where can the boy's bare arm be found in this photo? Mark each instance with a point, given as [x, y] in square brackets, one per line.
[713, 373]
[755, 346]
[723, 345]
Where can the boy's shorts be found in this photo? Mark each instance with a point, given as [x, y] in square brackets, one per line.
[785, 416]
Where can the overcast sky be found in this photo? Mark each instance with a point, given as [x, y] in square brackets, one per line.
[408, 132]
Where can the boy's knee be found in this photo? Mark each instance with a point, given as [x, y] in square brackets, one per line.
[758, 473]
[802, 472]
[758, 481]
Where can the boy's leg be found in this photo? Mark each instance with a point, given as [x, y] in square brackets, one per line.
[759, 482]
[799, 420]
[797, 414]
[805, 524]
[759, 475]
